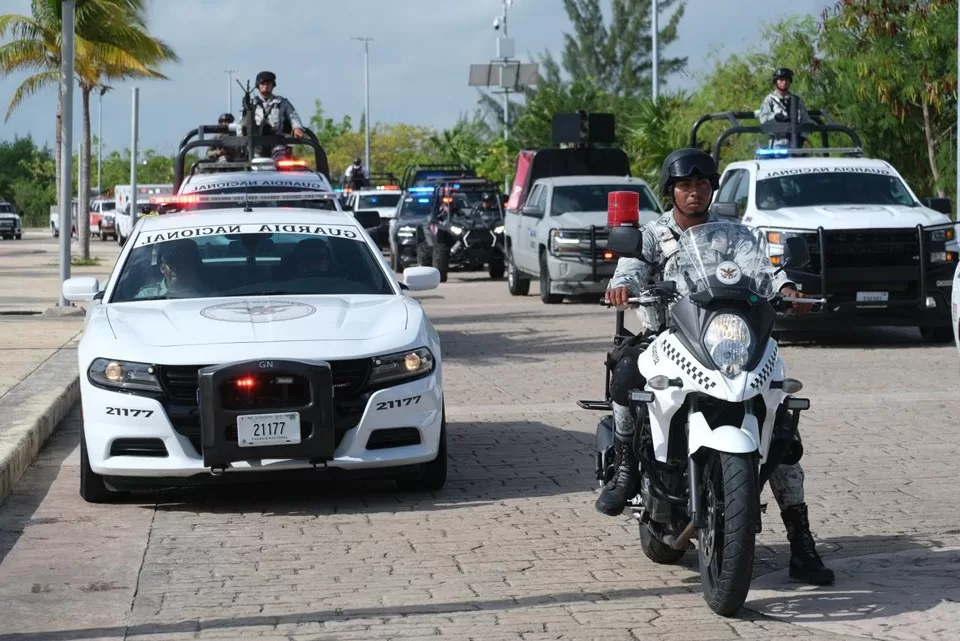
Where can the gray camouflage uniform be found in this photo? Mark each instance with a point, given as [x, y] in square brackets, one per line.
[776, 105]
[276, 109]
[632, 273]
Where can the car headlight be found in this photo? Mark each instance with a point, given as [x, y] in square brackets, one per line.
[564, 242]
[108, 217]
[498, 229]
[941, 235]
[456, 230]
[400, 365]
[729, 341]
[124, 375]
[776, 239]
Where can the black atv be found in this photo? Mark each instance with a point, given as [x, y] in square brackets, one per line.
[468, 239]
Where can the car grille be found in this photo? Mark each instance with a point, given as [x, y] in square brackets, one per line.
[180, 386]
[867, 248]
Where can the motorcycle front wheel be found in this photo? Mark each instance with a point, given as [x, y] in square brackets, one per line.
[727, 543]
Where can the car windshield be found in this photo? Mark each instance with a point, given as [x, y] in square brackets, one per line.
[250, 260]
[832, 188]
[415, 206]
[574, 198]
[108, 205]
[6, 208]
[375, 201]
[467, 200]
[722, 254]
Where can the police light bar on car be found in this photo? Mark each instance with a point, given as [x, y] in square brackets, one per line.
[291, 164]
[421, 190]
[786, 152]
[387, 187]
[240, 198]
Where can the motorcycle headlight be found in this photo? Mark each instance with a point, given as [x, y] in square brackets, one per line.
[400, 365]
[729, 341]
[456, 229]
[498, 229]
[124, 375]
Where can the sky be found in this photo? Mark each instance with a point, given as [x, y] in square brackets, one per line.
[419, 58]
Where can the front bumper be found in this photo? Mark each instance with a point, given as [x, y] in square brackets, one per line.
[574, 276]
[475, 248]
[407, 250]
[161, 437]
[10, 230]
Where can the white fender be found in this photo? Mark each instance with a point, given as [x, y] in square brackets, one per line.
[724, 438]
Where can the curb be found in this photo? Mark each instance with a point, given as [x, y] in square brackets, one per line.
[32, 410]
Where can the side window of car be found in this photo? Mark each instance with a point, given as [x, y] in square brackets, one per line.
[742, 196]
[534, 196]
[542, 200]
[729, 184]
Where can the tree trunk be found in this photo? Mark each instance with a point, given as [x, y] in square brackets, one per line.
[83, 185]
[931, 149]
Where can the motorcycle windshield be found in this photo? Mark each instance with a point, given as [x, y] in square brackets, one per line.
[724, 254]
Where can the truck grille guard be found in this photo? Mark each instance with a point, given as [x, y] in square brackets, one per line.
[587, 250]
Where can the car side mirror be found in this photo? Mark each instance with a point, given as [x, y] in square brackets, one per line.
[942, 205]
[796, 252]
[724, 210]
[81, 288]
[531, 211]
[368, 218]
[625, 241]
[418, 279]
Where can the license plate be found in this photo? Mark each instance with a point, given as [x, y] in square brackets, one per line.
[873, 297]
[258, 430]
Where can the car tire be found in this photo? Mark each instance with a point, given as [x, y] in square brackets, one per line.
[497, 268]
[545, 283]
[441, 259]
[936, 334]
[516, 283]
[424, 255]
[93, 487]
[19, 236]
[433, 475]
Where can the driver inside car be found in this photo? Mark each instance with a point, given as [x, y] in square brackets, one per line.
[688, 178]
[313, 258]
[180, 268]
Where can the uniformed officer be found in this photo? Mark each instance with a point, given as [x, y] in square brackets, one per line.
[776, 106]
[688, 179]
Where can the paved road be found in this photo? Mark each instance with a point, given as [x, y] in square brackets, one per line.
[512, 547]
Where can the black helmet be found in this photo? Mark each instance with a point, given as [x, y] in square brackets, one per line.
[686, 163]
[267, 76]
[782, 72]
[227, 117]
[356, 161]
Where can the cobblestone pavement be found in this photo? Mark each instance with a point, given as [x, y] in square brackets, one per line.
[512, 547]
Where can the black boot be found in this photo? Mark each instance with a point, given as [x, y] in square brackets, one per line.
[805, 563]
[623, 486]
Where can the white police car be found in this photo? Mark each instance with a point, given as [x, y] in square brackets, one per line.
[256, 340]
[879, 254]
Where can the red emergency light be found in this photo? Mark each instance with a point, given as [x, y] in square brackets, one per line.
[246, 383]
[289, 164]
[623, 209]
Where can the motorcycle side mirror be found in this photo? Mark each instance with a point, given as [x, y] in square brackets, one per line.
[625, 241]
[796, 253]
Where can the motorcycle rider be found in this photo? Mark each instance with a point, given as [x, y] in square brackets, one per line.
[776, 107]
[688, 178]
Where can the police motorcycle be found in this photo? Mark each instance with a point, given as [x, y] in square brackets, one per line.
[716, 414]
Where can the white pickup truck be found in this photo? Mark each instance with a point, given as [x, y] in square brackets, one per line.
[559, 235]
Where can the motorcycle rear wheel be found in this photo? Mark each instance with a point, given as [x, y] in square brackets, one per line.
[727, 543]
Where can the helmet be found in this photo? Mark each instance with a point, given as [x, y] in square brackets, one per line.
[227, 117]
[782, 72]
[356, 161]
[266, 76]
[685, 163]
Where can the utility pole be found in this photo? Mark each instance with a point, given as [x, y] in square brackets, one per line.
[134, 135]
[100, 140]
[230, 73]
[66, 146]
[366, 98]
[505, 49]
[655, 50]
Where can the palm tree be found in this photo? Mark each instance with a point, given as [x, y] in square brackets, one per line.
[110, 41]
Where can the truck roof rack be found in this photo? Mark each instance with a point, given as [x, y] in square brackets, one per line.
[822, 124]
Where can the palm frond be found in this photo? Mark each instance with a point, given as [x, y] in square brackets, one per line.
[30, 86]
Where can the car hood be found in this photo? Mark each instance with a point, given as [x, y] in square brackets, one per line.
[582, 219]
[275, 319]
[7, 216]
[848, 217]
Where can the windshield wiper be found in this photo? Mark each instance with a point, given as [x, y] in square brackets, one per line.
[140, 300]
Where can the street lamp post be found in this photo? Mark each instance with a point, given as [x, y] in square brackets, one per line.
[66, 146]
[366, 98]
[506, 92]
[655, 49]
[230, 73]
